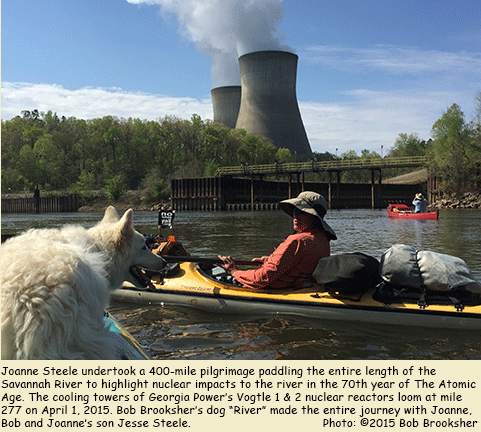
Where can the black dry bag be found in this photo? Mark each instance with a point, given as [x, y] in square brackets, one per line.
[349, 273]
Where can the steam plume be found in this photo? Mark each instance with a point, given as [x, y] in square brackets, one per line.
[227, 29]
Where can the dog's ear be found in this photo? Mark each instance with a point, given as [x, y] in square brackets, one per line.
[127, 223]
[111, 215]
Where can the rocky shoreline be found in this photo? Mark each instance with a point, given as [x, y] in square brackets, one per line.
[469, 200]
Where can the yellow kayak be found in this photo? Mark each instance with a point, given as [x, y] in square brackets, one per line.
[126, 345]
[207, 288]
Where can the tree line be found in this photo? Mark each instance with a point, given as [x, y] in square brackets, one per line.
[41, 151]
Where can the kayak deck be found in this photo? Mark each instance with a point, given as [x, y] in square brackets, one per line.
[191, 287]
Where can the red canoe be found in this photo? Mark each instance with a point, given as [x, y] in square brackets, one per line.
[402, 211]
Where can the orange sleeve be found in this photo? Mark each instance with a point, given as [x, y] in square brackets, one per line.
[283, 259]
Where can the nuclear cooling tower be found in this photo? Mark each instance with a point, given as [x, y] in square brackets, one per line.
[269, 102]
[226, 103]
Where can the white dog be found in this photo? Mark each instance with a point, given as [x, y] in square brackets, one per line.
[56, 283]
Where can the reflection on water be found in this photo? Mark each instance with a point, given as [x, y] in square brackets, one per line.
[181, 333]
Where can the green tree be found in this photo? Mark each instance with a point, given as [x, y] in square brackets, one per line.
[155, 187]
[115, 186]
[256, 149]
[84, 186]
[358, 176]
[28, 168]
[409, 145]
[50, 163]
[456, 153]
[213, 146]
[284, 155]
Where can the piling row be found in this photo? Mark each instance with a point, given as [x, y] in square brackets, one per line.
[252, 207]
[50, 204]
[238, 194]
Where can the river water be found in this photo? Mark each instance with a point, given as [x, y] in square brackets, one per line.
[182, 333]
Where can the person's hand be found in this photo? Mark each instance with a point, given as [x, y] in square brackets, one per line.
[260, 261]
[229, 264]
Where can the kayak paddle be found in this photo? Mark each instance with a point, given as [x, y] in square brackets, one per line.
[215, 261]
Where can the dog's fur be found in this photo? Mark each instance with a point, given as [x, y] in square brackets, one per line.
[56, 283]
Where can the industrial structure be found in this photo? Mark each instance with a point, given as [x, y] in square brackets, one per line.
[268, 101]
[226, 103]
[256, 187]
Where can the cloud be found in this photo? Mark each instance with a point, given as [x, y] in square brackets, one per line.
[89, 102]
[372, 119]
[393, 59]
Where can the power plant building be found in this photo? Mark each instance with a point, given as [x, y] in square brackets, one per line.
[269, 102]
[226, 103]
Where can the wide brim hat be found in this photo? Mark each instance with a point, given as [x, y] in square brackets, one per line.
[419, 196]
[311, 203]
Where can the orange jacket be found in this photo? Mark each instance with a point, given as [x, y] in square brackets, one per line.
[295, 258]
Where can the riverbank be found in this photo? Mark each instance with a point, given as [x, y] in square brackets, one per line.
[130, 200]
[133, 200]
[469, 200]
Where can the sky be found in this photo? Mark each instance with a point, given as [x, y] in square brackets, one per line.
[368, 70]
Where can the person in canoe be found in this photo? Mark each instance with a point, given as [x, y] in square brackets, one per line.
[296, 258]
[420, 204]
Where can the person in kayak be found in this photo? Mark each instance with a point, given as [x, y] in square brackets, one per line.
[296, 258]
[420, 204]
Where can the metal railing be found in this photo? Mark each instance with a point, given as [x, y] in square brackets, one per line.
[335, 165]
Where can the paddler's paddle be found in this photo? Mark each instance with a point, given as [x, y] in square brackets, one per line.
[215, 261]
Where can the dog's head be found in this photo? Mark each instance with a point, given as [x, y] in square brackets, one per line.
[128, 249]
